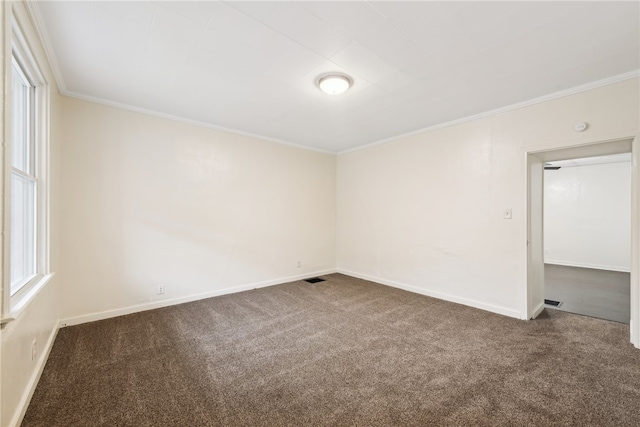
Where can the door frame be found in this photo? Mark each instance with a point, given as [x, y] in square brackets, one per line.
[534, 300]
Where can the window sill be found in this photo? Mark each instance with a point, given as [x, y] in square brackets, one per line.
[18, 307]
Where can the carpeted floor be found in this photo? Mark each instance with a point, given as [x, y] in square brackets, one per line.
[344, 352]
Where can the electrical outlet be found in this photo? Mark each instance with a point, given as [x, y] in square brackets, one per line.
[160, 289]
[299, 264]
[34, 350]
[546, 251]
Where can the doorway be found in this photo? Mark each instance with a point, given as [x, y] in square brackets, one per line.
[534, 298]
[587, 236]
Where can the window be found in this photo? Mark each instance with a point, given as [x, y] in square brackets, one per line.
[26, 180]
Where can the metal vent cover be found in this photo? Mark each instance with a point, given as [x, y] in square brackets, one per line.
[552, 302]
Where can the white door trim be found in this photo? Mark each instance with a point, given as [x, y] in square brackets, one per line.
[634, 324]
[534, 298]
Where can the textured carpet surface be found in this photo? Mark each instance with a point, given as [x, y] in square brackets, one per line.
[344, 352]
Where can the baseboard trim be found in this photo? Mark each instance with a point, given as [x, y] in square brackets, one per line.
[35, 378]
[92, 317]
[594, 266]
[439, 295]
[537, 311]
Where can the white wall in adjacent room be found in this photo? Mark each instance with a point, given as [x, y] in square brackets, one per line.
[425, 212]
[587, 216]
[149, 201]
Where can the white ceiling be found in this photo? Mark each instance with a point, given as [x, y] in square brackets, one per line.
[251, 66]
[591, 161]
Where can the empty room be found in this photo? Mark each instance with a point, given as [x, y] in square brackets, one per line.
[587, 236]
[270, 213]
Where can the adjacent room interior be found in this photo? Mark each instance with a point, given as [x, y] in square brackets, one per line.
[174, 171]
[587, 235]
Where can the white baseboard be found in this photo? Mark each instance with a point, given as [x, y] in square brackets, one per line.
[582, 265]
[92, 317]
[447, 297]
[35, 378]
[537, 311]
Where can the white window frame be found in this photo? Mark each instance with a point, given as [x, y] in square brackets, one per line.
[13, 305]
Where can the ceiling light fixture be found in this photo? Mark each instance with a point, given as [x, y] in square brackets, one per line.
[334, 84]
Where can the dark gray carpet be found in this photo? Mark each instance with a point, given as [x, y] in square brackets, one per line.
[344, 352]
[598, 293]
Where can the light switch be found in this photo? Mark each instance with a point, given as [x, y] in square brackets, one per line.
[506, 214]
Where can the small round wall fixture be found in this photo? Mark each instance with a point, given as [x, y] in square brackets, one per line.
[580, 126]
[334, 83]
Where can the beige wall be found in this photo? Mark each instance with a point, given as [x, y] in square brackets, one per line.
[425, 212]
[18, 373]
[149, 201]
[139, 201]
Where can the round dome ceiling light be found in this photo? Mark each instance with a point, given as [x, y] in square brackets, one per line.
[334, 84]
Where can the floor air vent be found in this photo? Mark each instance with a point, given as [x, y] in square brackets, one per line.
[314, 280]
[552, 302]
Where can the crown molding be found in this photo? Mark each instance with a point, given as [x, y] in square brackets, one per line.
[556, 95]
[36, 16]
[185, 120]
[33, 8]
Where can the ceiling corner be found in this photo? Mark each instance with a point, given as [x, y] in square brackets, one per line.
[33, 8]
